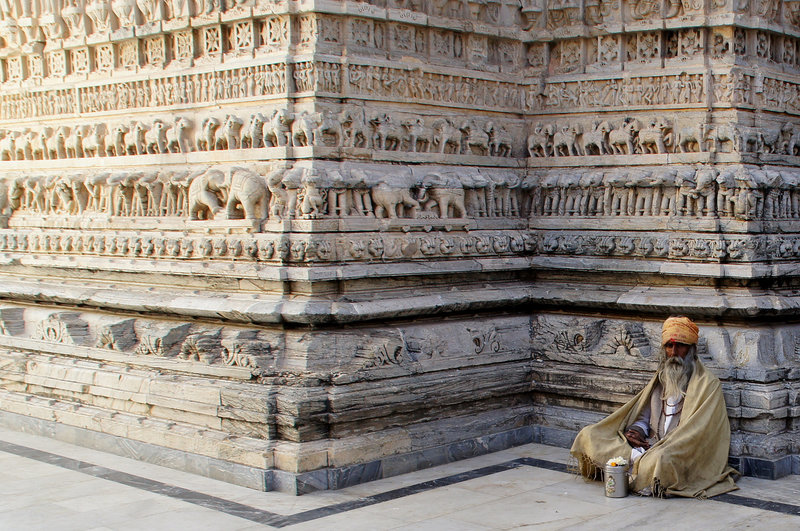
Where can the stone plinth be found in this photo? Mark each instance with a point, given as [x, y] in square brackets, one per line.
[302, 245]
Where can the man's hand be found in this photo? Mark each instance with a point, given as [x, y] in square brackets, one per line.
[636, 439]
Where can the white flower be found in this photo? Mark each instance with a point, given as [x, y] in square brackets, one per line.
[617, 461]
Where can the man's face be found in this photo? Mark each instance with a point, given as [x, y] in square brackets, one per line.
[676, 350]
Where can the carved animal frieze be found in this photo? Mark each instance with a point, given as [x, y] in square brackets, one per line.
[392, 202]
[738, 192]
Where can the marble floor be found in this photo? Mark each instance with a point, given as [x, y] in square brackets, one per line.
[47, 484]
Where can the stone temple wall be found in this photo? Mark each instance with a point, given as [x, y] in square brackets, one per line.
[303, 244]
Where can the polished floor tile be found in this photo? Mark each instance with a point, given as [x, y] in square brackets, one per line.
[48, 484]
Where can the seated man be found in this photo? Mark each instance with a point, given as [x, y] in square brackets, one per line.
[675, 432]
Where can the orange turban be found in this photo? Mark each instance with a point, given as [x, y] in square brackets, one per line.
[680, 330]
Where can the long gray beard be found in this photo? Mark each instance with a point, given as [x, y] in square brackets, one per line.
[674, 376]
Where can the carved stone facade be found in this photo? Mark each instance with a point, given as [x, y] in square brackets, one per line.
[318, 243]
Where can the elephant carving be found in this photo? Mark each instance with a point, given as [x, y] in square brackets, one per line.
[446, 193]
[390, 202]
[248, 193]
[204, 202]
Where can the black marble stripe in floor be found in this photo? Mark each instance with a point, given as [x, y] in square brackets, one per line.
[775, 507]
[277, 520]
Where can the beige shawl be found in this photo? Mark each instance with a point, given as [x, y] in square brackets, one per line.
[691, 460]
